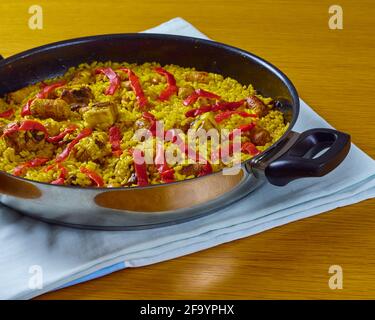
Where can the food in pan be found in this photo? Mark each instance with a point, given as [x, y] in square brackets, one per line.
[80, 129]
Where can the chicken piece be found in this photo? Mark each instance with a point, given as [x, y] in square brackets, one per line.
[21, 140]
[100, 115]
[259, 136]
[197, 76]
[192, 170]
[257, 105]
[19, 96]
[185, 91]
[93, 148]
[56, 109]
[77, 98]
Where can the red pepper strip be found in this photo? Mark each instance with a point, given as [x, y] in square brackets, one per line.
[96, 178]
[63, 155]
[114, 80]
[243, 128]
[150, 117]
[250, 148]
[26, 109]
[61, 135]
[26, 125]
[115, 140]
[7, 114]
[29, 125]
[228, 106]
[198, 111]
[46, 90]
[140, 169]
[219, 106]
[166, 173]
[9, 129]
[227, 114]
[136, 86]
[20, 170]
[63, 175]
[171, 88]
[199, 93]
[206, 169]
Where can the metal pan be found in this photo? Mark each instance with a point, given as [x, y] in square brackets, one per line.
[294, 156]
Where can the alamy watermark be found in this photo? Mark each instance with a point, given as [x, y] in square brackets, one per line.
[36, 277]
[36, 19]
[336, 279]
[336, 17]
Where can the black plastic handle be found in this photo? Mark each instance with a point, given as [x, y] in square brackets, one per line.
[299, 160]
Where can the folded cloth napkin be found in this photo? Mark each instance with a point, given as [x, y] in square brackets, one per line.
[61, 256]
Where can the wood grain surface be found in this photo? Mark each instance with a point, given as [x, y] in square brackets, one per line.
[333, 71]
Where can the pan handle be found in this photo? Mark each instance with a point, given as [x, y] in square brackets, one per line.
[300, 161]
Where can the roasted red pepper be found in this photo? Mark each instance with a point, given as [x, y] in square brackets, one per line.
[61, 135]
[218, 106]
[21, 169]
[62, 176]
[43, 94]
[114, 80]
[166, 173]
[31, 125]
[205, 169]
[171, 88]
[243, 128]
[7, 114]
[250, 148]
[96, 178]
[66, 152]
[228, 106]
[26, 125]
[198, 111]
[199, 93]
[136, 86]
[10, 128]
[140, 168]
[115, 140]
[151, 118]
[227, 114]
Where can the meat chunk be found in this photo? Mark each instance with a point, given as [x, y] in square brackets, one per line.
[185, 91]
[100, 115]
[21, 140]
[93, 148]
[259, 136]
[197, 76]
[56, 109]
[257, 105]
[77, 98]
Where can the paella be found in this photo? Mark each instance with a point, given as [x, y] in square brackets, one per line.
[124, 125]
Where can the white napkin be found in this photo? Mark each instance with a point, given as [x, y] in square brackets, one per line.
[67, 256]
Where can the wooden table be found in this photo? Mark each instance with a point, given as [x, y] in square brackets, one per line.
[333, 71]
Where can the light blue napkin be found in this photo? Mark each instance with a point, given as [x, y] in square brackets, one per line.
[33, 253]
